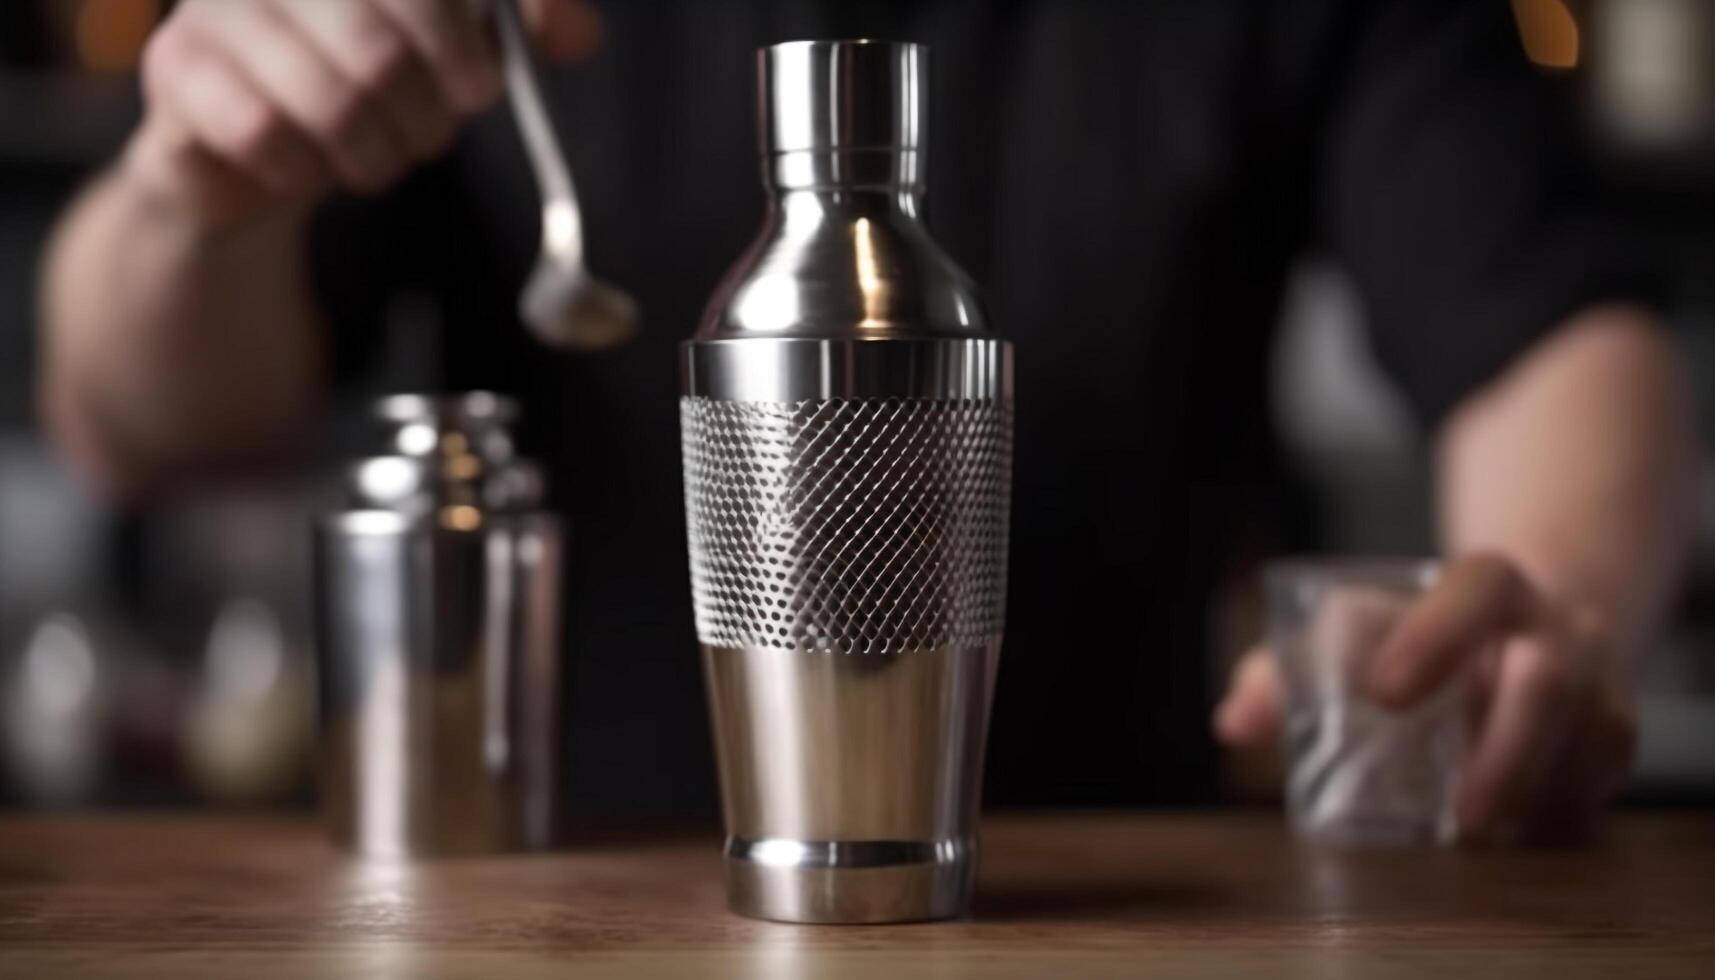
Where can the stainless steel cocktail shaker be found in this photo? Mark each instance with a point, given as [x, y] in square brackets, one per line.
[847, 436]
[437, 597]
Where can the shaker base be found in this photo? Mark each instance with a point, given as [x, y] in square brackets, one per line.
[849, 882]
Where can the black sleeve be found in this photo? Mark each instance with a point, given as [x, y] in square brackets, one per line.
[354, 271]
[1455, 187]
[368, 256]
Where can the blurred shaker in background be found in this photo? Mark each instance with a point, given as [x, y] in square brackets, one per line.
[437, 598]
[847, 429]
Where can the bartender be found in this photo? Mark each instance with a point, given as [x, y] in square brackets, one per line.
[1132, 182]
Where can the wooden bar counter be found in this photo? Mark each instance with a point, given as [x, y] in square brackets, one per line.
[1060, 895]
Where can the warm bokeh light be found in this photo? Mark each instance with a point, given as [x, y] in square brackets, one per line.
[461, 517]
[869, 276]
[111, 33]
[1550, 32]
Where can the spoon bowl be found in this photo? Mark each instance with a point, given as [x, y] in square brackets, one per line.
[565, 306]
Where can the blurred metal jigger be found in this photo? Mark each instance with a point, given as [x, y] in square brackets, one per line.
[847, 434]
[437, 601]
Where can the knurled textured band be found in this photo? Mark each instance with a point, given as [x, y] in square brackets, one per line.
[848, 525]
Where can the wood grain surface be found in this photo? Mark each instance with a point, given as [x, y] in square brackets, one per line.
[1180, 895]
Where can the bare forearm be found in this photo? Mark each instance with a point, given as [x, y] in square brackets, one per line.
[1578, 465]
[178, 324]
[1565, 493]
[169, 344]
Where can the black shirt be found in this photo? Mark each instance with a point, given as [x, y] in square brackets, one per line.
[1130, 182]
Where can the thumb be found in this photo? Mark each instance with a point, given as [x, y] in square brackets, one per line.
[565, 30]
[1249, 715]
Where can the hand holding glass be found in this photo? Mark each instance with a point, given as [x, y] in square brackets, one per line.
[1359, 773]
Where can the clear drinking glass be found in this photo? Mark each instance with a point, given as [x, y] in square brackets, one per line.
[1358, 773]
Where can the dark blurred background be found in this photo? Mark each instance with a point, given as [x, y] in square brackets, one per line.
[162, 655]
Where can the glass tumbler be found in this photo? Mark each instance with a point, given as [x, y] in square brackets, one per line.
[1359, 774]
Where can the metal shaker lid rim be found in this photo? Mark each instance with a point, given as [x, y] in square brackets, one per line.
[831, 43]
[401, 481]
[473, 406]
[370, 522]
[791, 369]
[379, 522]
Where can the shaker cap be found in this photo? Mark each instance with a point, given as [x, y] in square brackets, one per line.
[842, 95]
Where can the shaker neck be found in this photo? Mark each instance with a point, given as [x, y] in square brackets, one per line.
[888, 171]
[843, 116]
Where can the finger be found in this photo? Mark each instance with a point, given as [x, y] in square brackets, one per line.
[1251, 711]
[369, 57]
[1476, 600]
[421, 111]
[280, 64]
[1592, 766]
[566, 30]
[172, 165]
[221, 109]
[451, 39]
[1528, 721]
[402, 84]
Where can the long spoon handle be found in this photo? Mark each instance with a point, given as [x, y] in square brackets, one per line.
[524, 89]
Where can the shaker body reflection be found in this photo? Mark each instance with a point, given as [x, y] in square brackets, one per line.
[847, 434]
[437, 608]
